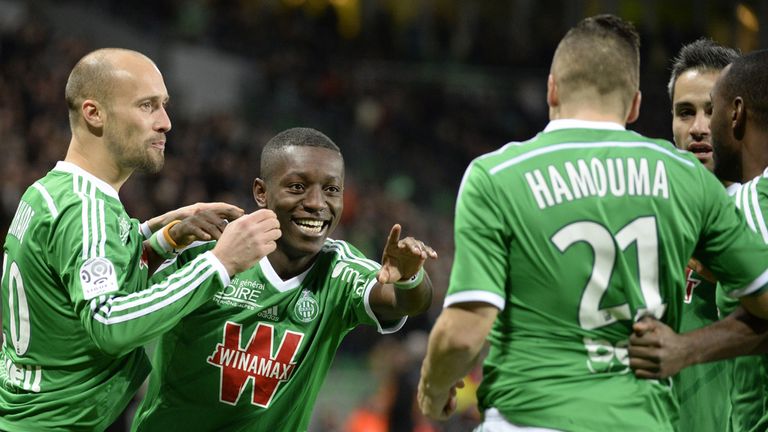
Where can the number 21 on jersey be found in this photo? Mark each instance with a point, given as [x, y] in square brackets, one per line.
[605, 246]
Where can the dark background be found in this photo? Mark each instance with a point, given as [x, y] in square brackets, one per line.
[411, 90]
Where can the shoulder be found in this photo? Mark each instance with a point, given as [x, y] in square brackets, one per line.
[340, 254]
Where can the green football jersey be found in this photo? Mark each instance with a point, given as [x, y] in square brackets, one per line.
[749, 390]
[703, 391]
[255, 357]
[573, 235]
[77, 307]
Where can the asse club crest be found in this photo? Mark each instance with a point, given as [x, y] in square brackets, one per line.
[125, 229]
[307, 308]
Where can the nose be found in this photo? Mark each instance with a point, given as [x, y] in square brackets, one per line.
[314, 199]
[163, 121]
[700, 126]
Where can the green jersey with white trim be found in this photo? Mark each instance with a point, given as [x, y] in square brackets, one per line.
[573, 235]
[77, 306]
[703, 390]
[255, 357]
[749, 388]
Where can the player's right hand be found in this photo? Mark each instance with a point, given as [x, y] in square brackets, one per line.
[248, 239]
[655, 350]
[223, 210]
[204, 225]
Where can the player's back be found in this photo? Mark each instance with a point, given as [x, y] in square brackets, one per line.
[53, 374]
[583, 231]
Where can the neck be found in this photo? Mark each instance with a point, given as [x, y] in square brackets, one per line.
[287, 267]
[584, 113]
[754, 154]
[94, 158]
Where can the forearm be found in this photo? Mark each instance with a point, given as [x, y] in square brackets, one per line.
[454, 346]
[416, 300]
[391, 303]
[446, 363]
[738, 334]
[121, 323]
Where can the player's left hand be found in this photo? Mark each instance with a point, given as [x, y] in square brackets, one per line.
[438, 407]
[655, 350]
[402, 258]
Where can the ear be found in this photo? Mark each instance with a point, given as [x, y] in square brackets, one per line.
[553, 99]
[260, 192]
[634, 109]
[739, 118]
[93, 113]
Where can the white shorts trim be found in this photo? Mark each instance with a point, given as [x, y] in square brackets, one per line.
[495, 422]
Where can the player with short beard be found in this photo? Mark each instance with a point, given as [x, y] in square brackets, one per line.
[77, 306]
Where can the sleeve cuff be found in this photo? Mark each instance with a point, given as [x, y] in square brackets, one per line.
[757, 286]
[475, 296]
[220, 269]
[145, 231]
[392, 327]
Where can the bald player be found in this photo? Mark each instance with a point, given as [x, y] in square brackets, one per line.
[76, 304]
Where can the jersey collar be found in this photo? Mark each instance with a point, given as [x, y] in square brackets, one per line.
[276, 281]
[69, 167]
[581, 124]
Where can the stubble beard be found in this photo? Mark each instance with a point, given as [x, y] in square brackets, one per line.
[142, 158]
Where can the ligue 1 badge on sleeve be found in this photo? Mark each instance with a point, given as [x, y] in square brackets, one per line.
[306, 308]
[97, 277]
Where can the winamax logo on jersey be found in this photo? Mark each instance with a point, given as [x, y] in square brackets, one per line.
[256, 362]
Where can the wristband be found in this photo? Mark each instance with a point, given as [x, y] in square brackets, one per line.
[167, 235]
[160, 244]
[145, 230]
[412, 282]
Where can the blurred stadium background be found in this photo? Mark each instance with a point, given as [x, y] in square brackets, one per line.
[411, 90]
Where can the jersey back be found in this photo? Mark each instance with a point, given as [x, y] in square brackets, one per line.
[52, 375]
[573, 235]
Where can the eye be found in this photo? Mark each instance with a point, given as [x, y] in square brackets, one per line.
[685, 113]
[333, 189]
[146, 106]
[296, 187]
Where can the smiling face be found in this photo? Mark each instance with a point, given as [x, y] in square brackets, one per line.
[304, 188]
[691, 111]
[136, 121]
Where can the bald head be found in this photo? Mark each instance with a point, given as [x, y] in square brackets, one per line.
[599, 57]
[94, 76]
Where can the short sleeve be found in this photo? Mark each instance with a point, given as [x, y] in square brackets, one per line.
[482, 241]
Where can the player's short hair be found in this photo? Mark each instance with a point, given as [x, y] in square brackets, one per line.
[300, 136]
[702, 55]
[92, 78]
[601, 53]
[747, 78]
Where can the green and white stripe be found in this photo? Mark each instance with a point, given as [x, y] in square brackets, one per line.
[110, 310]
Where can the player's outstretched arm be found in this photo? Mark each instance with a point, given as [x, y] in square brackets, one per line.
[121, 322]
[656, 351]
[455, 343]
[403, 286]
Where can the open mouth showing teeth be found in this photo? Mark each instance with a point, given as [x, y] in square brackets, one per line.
[310, 226]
